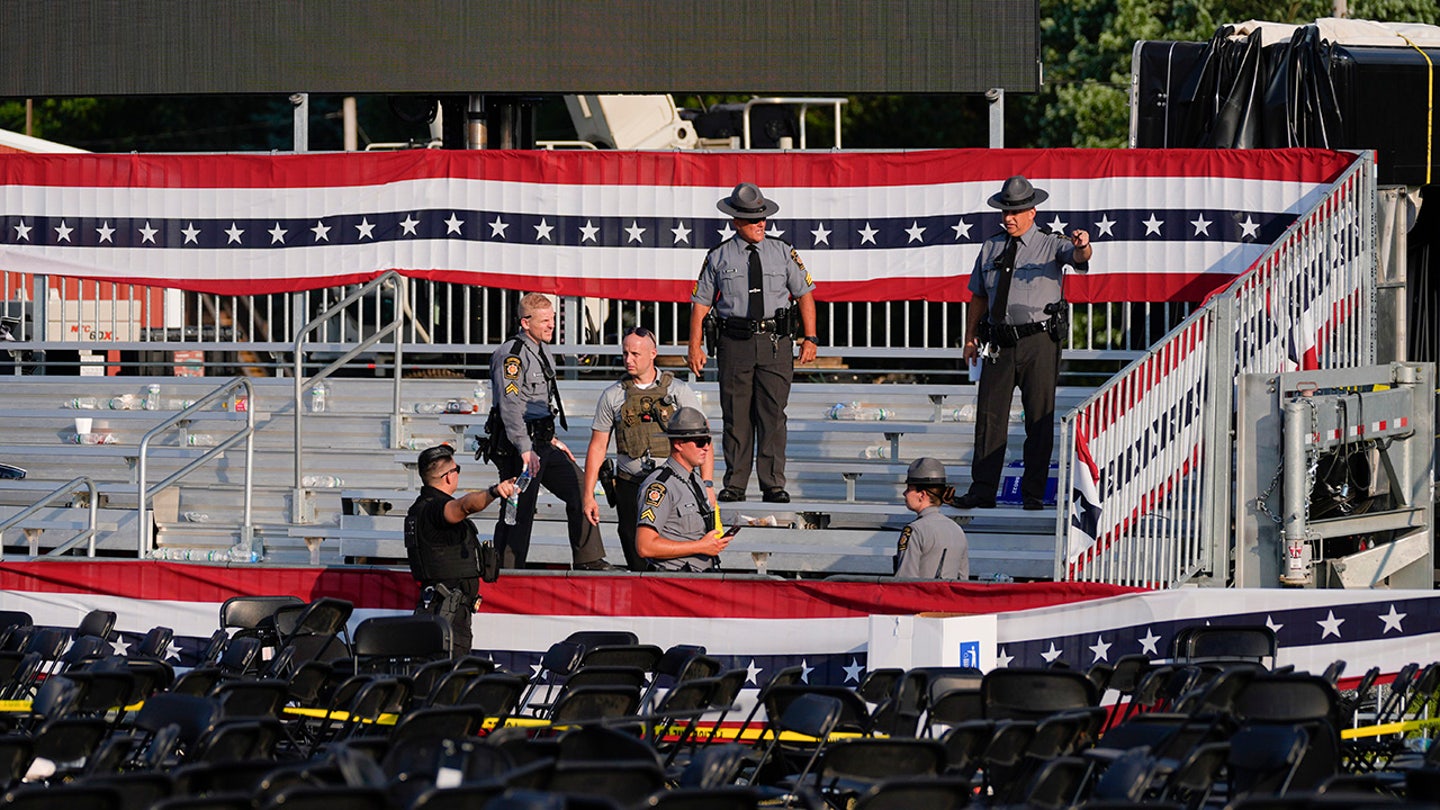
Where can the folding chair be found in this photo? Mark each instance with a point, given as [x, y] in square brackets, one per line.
[809, 714]
[97, 624]
[851, 767]
[398, 645]
[1033, 694]
[945, 793]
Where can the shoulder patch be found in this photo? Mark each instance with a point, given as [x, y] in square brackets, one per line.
[512, 367]
[905, 537]
[654, 493]
[795, 257]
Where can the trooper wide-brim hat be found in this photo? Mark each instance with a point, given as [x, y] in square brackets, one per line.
[688, 423]
[747, 201]
[926, 472]
[1017, 195]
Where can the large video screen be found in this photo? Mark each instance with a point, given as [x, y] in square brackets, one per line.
[798, 47]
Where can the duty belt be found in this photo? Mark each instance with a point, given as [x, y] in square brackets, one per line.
[754, 327]
[1006, 332]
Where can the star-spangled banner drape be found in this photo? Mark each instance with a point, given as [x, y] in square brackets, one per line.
[870, 226]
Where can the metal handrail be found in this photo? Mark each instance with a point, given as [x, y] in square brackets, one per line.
[299, 514]
[144, 528]
[64, 489]
[804, 102]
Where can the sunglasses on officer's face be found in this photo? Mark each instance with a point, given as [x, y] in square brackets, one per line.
[701, 442]
[751, 221]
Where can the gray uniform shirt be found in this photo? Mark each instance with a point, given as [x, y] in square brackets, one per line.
[607, 410]
[518, 386]
[724, 281]
[928, 539]
[668, 505]
[1039, 270]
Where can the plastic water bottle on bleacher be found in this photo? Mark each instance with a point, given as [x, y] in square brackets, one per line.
[322, 481]
[197, 517]
[482, 397]
[319, 397]
[855, 412]
[125, 402]
[876, 451]
[83, 403]
[512, 504]
[152, 398]
[429, 407]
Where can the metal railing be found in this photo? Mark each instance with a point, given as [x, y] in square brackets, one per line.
[223, 393]
[299, 511]
[67, 488]
[1159, 432]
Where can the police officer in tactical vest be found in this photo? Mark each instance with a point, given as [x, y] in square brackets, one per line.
[442, 545]
[636, 410]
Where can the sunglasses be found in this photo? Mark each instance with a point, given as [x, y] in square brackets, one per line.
[751, 221]
[455, 470]
[701, 442]
[641, 332]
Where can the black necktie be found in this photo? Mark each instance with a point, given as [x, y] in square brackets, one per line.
[1005, 266]
[757, 285]
[554, 389]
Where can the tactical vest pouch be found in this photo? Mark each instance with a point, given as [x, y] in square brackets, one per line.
[495, 446]
[489, 561]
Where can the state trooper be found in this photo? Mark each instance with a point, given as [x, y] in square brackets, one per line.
[636, 409]
[932, 546]
[527, 405]
[678, 529]
[750, 280]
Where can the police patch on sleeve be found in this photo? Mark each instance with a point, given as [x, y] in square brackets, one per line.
[512, 367]
[654, 494]
[905, 538]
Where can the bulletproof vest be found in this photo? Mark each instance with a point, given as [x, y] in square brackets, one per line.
[643, 417]
[450, 552]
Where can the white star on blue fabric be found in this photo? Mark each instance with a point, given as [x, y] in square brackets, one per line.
[805, 670]
[22, 231]
[1149, 642]
[1057, 225]
[1274, 627]
[1101, 649]
[321, 231]
[105, 232]
[452, 225]
[726, 232]
[1202, 226]
[192, 233]
[62, 232]
[752, 673]
[1003, 659]
[682, 233]
[542, 231]
[635, 232]
[147, 233]
[277, 234]
[822, 236]
[366, 229]
[1152, 225]
[497, 228]
[409, 224]
[916, 232]
[172, 650]
[867, 234]
[1392, 621]
[1104, 226]
[961, 229]
[1249, 228]
[120, 646]
[1330, 626]
[1051, 654]
[233, 233]
[852, 672]
[774, 233]
[588, 231]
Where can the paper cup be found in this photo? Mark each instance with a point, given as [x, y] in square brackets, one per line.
[975, 370]
[82, 424]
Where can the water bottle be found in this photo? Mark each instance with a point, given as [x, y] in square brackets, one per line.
[322, 481]
[83, 403]
[242, 553]
[199, 440]
[152, 397]
[429, 407]
[512, 504]
[197, 517]
[319, 396]
[459, 406]
[482, 398]
[124, 402]
[843, 411]
[964, 413]
[855, 412]
[876, 451]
